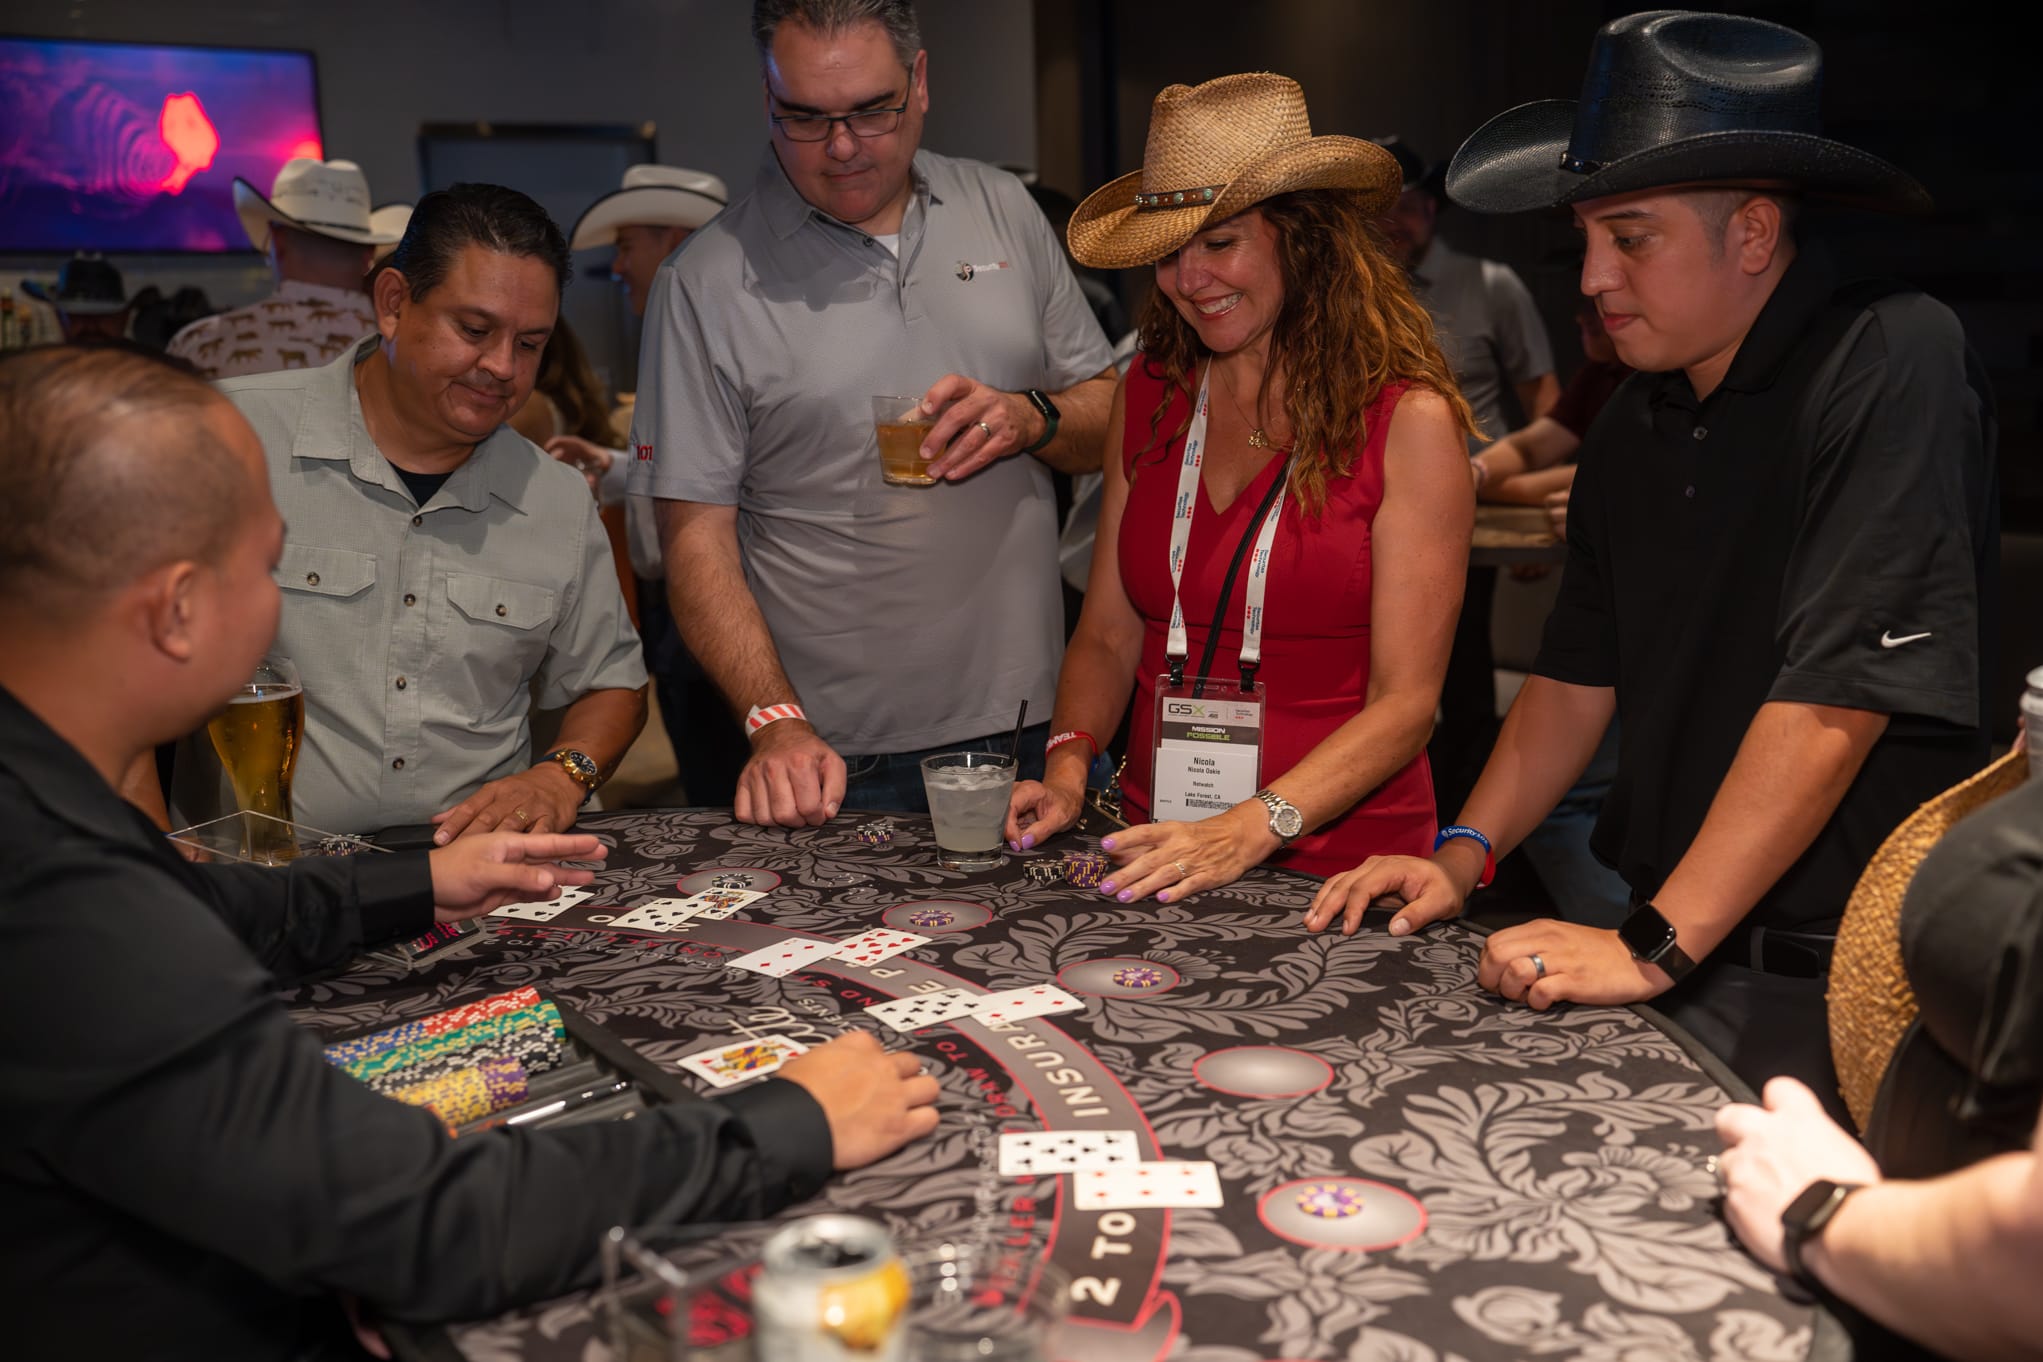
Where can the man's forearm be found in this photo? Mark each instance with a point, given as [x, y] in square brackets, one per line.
[1529, 489]
[1546, 742]
[1081, 425]
[714, 609]
[603, 725]
[1950, 1263]
[1791, 771]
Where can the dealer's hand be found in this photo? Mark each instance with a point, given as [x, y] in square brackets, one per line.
[793, 780]
[1581, 965]
[1176, 860]
[1037, 811]
[586, 457]
[1772, 1153]
[542, 799]
[959, 445]
[875, 1101]
[480, 874]
[1423, 891]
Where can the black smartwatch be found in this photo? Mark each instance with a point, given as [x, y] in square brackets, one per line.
[1649, 936]
[1805, 1218]
[1041, 402]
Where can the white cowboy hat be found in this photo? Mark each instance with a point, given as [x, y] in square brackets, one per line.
[326, 198]
[652, 196]
[389, 220]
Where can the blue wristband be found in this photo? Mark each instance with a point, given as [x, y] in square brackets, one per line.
[1449, 834]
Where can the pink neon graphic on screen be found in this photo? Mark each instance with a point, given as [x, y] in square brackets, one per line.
[191, 137]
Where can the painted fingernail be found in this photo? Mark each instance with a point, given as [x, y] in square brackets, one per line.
[1163, 896]
[1029, 842]
[1014, 846]
[1126, 895]
[1107, 888]
[1107, 844]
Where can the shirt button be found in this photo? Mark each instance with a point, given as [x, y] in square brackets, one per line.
[410, 599]
[1690, 492]
[501, 612]
[1701, 432]
[418, 520]
[312, 579]
[397, 765]
[400, 683]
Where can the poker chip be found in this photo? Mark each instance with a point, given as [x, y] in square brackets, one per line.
[1329, 1201]
[471, 1093]
[1139, 977]
[535, 1036]
[877, 833]
[412, 1032]
[1043, 872]
[1086, 869]
[730, 882]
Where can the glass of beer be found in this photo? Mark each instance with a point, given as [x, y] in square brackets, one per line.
[902, 425]
[256, 737]
[968, 795]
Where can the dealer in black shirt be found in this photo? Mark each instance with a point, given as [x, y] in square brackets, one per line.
[1781, 551]
[182, 1175]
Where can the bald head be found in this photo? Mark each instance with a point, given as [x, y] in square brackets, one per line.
[112, 465]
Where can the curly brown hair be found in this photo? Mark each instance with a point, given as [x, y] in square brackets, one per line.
[1349, 325]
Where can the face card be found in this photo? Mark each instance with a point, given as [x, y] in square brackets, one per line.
[544, 910]
[742, 1061]
[784, 958]
[881, 943]
[717, 904]
[656, 915]
[1142, 1185]
[925, 1009]
[1067, 1151]
[1037, 1000]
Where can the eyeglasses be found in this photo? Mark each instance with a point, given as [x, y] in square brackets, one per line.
[817, 127]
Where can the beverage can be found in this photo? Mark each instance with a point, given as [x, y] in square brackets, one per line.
[2032, 722]
[831, 1288]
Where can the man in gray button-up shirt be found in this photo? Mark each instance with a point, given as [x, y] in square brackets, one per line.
[441, 574]
[900, 618]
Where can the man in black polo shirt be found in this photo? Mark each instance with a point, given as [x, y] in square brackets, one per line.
[1780, 550]
[182, 1175]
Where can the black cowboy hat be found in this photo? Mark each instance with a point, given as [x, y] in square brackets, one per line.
[1412, 166]
[1674, 97]
[87, 286]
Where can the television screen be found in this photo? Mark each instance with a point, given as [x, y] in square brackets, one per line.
[132, 147]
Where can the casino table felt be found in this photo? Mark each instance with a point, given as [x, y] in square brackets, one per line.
[1411, 1168]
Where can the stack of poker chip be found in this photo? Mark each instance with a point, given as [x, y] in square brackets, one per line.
[453, 1019]
[1043, 872]
[1086, 869]
[877, 833]
[470, 1093]
[535, 1037]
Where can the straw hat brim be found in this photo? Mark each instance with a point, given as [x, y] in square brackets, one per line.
[646, 205]
[257, 213]
[1108, 232]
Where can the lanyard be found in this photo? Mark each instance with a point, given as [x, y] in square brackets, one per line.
[1179, 647]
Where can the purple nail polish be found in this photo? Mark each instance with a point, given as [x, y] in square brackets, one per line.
[1029, 842]
[1107, 888]
[1163, 896]
[1107, 844]
[1125, 895]
[1014, 846]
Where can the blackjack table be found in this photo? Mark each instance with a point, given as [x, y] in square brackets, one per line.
[1411, 1169]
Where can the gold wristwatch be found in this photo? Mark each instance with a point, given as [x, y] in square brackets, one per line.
[581, 768]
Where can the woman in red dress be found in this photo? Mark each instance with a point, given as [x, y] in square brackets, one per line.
[1320, 519]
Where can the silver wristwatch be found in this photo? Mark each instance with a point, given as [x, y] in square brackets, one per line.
[1285, 819]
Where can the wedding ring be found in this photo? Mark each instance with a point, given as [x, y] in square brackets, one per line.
[983, 426]
[1184, 871]
[519, 814]
[1714, 1166]
[1538, 966]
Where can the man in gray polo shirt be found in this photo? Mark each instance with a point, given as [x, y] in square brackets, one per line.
[892, 620]
[441, 574]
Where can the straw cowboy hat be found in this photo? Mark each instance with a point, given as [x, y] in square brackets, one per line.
[1676, 98]
[326, 198]
[1213, 150]
[652, 196]
[389, 219]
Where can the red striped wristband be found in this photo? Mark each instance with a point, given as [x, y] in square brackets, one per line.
[1071, 735]
[763, 715]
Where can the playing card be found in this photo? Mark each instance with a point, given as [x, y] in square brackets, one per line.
[741, 1061]
[544, 910]
[656, 915]
[715, 905]
[869, 948]
[1067, 1151]
[925, 1009]
[785, 957]
[1136, 1186]
[1037, 1000]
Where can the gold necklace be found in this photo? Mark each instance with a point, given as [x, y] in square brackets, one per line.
[1257, 437]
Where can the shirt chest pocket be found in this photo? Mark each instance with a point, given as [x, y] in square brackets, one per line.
[334, 574]
[500, 634]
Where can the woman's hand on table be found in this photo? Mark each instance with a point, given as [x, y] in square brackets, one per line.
[1546, 962]
[1036, 812]
[1176, 860]
[483, 872]
[875, 1100]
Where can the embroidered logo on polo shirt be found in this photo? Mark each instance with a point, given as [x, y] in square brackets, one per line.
[644, 452]
[1887, 639]
[966, 269]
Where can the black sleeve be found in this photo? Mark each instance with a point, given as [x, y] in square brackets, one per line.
[199, 1109]
[1880, 607]
[1580, 642]
[316, 914]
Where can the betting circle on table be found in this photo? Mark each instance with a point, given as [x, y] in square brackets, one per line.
[1346, 1089]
